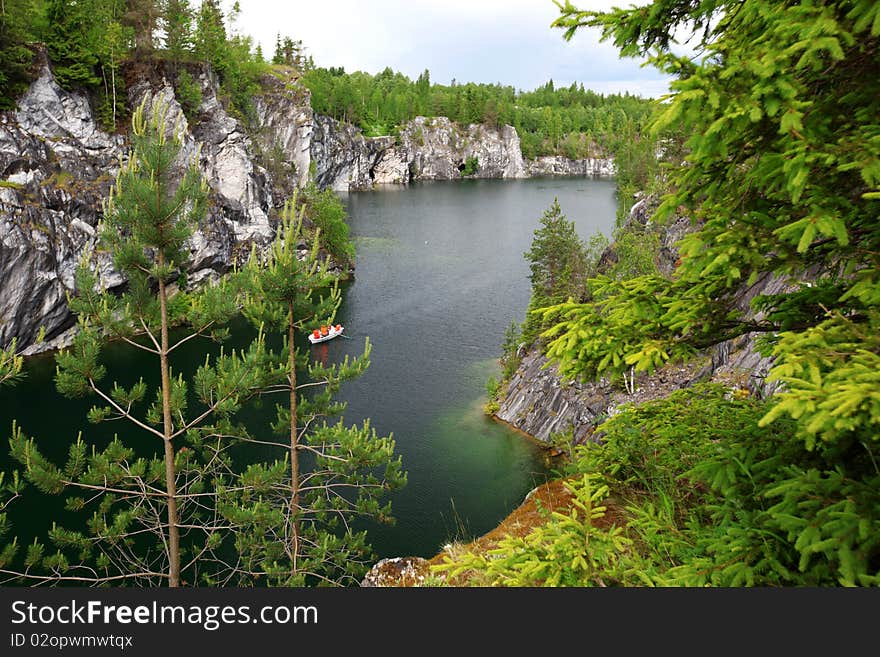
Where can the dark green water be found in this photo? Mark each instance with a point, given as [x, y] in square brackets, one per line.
[439, 277]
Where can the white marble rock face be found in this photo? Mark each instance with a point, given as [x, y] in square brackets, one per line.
[57, 166]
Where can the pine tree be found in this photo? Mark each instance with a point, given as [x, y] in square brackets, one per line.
[11, 364]
[782, 180]
[352, 468]
[69, 40]
[558, 265]
[177, 22]
[194, 512]
[557, 259]
[11, 372]
[278, 55]
[210, 36]
[142, 503]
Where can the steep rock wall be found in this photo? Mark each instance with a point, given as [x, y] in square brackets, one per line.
[57, 165]
[427, 149]
[344, 159]
[438, 149]
[555, 165]
[430, 149]
[286, 125]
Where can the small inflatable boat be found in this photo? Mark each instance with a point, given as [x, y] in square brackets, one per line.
[325, 333]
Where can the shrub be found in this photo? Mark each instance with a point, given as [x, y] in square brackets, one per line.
[328, 215]
[716, 499]
[569, 550]
[703, 495]
[471, 166]
[189, 93]
[510, 359]
[377, 129]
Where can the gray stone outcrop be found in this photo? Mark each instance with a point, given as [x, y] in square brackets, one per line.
[57, 165]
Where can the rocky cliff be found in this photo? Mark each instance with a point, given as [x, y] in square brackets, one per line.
[431, 149]
[439, 149]
[537, 401]
[57, 164]
[345, 160]
[554, 165]
[426, 149]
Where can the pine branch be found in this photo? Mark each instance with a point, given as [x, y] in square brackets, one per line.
[126, 415]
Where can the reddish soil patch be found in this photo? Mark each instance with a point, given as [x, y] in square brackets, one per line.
[552, 496]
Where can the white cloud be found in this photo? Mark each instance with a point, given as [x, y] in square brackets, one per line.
[506, 41]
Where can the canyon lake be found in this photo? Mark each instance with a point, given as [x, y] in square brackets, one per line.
[439, 276]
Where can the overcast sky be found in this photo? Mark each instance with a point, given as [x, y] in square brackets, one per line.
[506, 41]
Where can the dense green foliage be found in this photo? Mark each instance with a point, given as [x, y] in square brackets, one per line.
[72, 42]
[326, 213]
[562, 266]
[692, 491]
[567, 550]
[781, 114]
[782, 178]
[90, 40]
[730, 503]
[177, 22]
[188, 93]
[16, 30]
[570, 121]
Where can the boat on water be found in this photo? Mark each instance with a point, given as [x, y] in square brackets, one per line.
[325, 333]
